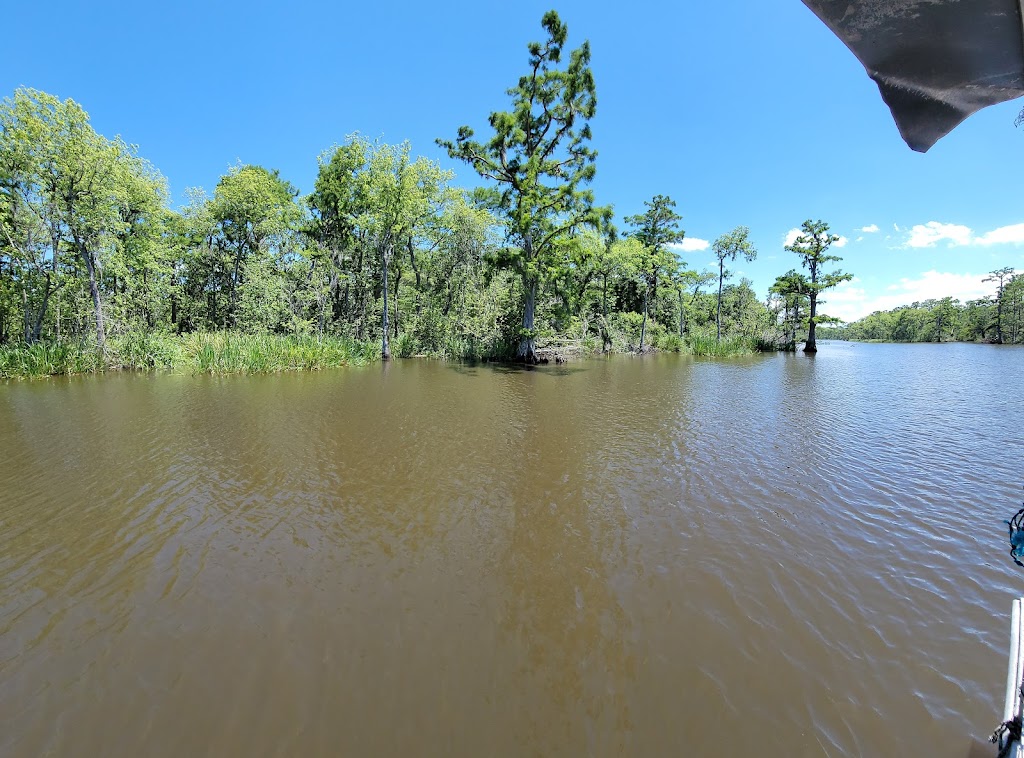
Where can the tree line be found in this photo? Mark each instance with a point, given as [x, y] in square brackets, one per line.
[384, 249]
[998, 319]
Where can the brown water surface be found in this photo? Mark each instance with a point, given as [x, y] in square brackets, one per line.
[781, 556]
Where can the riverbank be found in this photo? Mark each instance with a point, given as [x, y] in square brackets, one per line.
[235, 353]
[198, 353]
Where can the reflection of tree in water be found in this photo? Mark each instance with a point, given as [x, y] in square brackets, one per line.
[566, 626]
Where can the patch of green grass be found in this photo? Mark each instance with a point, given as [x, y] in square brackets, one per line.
[197, 353]
[46, 359]
[141, 351]
[671, 343]
[232, 353]
[705, 344]
[404, 346]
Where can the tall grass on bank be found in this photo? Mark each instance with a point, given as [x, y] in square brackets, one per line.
[46, 359]
[705, 344]
[198, 353]
[230, 353]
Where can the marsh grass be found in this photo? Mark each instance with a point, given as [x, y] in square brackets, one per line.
[231, 353]
[671, 343]
[705, 344]
[46, 359]
[219, 353]
[197, 353]
[404, 346]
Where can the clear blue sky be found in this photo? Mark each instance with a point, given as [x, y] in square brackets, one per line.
[745, 113]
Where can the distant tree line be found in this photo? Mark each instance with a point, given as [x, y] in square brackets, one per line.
[383, 249]
[998, 319]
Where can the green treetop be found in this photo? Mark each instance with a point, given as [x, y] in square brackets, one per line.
[539, 158]
[812, 246]
[655, 229]
[726, 248]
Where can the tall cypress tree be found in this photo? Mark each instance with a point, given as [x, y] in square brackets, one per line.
[540, 159]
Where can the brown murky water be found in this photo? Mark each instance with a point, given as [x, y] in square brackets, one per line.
[778, 556]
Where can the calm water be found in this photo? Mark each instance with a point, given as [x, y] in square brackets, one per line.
[781, 556]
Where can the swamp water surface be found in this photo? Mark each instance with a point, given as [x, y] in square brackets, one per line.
[666, 556]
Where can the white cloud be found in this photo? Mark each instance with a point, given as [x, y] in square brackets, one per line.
[930, 234]
[956, 235]
[869, 229]
[690, 245]
[940, 284]
[841, 242]
[896, 227]
[850, 302]
[1004, 235]
[846, 302]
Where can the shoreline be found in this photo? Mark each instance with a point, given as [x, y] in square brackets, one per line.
[231, 353]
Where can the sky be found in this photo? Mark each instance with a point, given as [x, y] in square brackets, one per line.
[745, 113]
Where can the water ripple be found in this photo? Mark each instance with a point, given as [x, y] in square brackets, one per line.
[626, 557]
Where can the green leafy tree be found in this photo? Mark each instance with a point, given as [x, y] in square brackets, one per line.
[726, 248]
[539, 160]
[83, 192]
[612, 261]
[1001, 276]
[812, 246]
[140, 264]
[374, 203]
[944, 315]
[255, 214]
[655, 229]
[792, 289]
[337, 203]
[1013, 303]
[634, 262]
[400, 194]
[682, 280]
[34, 257]
[975, 320]
[452, 279]
[577, 270]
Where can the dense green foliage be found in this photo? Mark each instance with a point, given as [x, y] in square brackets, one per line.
[726, 248]
[539, 158]
[654, 230]
[812, 246]
[98, 270]
[997, 319]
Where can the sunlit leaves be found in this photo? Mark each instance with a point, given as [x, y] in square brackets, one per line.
[812, 246]
[539, 158]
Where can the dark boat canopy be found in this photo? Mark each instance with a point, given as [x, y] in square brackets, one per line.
[935, 61]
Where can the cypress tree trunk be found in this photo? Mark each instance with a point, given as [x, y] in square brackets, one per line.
[398, 278]
[810, 346]
[385, 350]
[37, 330]
[718, 315]
[94, 292]
[999, 317]
[527, 351]
[643, 324]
